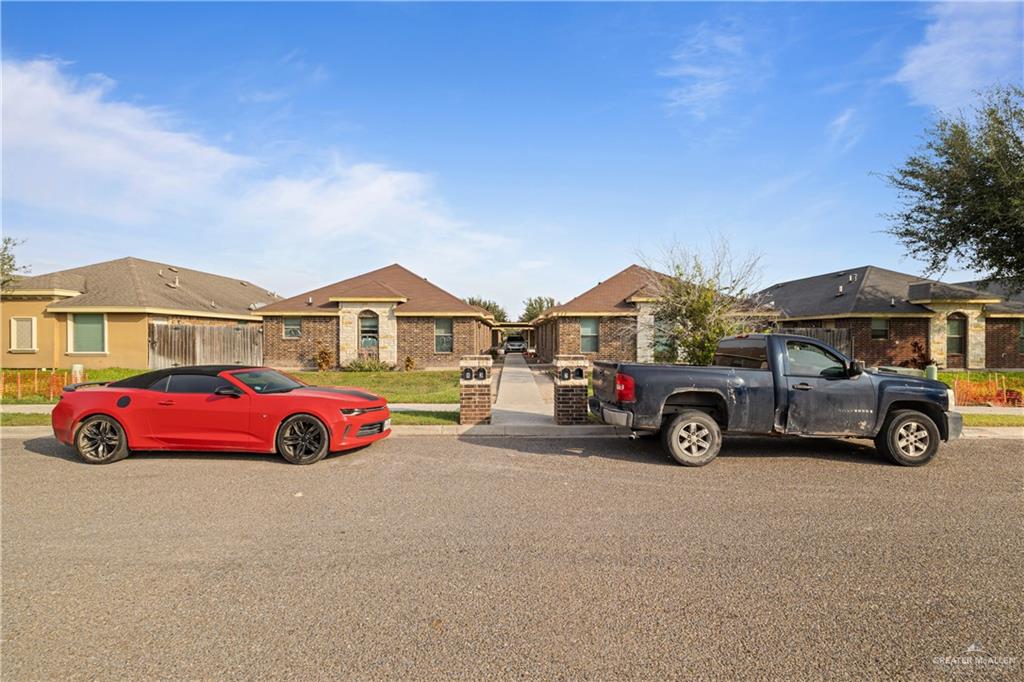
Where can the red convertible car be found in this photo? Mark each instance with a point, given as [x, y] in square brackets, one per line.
[217, 408]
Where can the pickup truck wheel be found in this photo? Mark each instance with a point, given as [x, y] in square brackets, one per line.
[908, 437]
[692, 437]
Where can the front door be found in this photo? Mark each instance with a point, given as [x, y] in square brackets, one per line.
[823, 399]
[190, 416]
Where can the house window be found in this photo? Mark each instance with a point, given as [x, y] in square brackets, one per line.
[88, 333]
[369, 330]
[956, 325]
[588, 334]
[879, 328]
[444, 341]
[1020, 338]
[23, 334]
[293, 327]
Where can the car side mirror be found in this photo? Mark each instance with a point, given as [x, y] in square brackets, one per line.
[856, 368]
[228, 390]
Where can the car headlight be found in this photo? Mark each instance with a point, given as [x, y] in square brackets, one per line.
[351, 411]
[951, 397]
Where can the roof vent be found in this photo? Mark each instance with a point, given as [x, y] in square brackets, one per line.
[840, 292]
[892, 301]
[309, 301]
[172, 268]
[160, 272]
[174, 284]
[853, 277]
[213, 304]
[244, 284]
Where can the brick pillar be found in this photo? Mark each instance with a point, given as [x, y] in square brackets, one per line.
[475, 389]
[571, 389]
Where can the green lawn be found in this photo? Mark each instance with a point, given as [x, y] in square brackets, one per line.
[993, 420]
[424, 418]
[1012, 379]
[397, 387]
[18, 419]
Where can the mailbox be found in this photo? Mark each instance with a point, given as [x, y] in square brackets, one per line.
[577, 373]
[565, 374]
[467, 373]
[481, 373]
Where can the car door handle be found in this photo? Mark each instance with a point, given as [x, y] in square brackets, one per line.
[802, 387]
[166, 402]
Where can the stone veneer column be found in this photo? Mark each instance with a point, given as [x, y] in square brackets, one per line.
[645, 332]
[348, 331]
[571, 389]
[937, 326]
[475, 389]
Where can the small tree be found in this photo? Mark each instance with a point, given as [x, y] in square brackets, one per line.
[535, 306]
[490, 306]
[701, 297]
[9, 268]
[962, 195]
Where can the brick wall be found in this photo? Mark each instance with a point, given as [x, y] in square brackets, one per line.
[299, 353]
[546, 340]
[1002, 343]
[896, 350]
[570, 405]
[416, 341]
[616, 340]
[475, 404]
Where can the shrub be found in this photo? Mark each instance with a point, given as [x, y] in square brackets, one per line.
[368, 365]
[410, 364]
[324, 357]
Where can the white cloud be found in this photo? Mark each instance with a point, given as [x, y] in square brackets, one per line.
[111, 178]
[713, 63]
[844, 131]
[966, 47]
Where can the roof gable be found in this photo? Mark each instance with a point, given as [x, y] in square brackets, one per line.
[612, 296]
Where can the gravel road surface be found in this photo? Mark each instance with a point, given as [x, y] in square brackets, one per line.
[480, 558]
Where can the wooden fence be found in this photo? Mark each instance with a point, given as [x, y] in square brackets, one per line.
[174, 345]
[837, 338]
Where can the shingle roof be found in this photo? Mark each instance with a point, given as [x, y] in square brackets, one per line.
[610, 296]
[136, 283]
[1013, 301]
[393, 280]
[867, 289]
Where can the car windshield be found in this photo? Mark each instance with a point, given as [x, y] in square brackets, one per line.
[267, 381]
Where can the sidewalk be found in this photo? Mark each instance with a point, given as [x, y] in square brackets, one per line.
[519, 401]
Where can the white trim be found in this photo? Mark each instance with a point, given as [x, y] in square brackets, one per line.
[13, 335]
[176, 312]
[65, 293]
[71, 336]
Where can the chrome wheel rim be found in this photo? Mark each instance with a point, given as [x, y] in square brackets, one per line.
[99, 439]
[912, 439]
[694, 439]
[303, 438]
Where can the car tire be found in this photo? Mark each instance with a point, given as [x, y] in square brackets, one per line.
[101, 440]
[692, 438]
[908, 437]
[303, 439]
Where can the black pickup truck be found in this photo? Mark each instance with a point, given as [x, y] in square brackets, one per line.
[776, 384]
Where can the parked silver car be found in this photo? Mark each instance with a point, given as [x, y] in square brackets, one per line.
[515, 344]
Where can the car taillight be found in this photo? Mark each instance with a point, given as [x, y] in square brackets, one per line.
[625, 388]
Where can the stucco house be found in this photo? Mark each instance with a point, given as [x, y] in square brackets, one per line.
[613, 320]
[100, 315]
[900, 319]
[391, 314]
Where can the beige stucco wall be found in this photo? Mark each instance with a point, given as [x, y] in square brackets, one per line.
[645, 332]
[127, 339]
[348, 337]
[975, 333]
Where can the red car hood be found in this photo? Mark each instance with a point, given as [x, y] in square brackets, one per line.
[356, 397]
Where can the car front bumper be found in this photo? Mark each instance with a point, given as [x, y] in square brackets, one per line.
[610, 415]
[954, 425]
[358, 430]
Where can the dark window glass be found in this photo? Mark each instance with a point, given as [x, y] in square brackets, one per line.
[293, 327]
[745, 353]
[267, 381]
[806, 359]
[589, 334]
[879, 327]
[160, 385]
[955, 326]
[195, 383]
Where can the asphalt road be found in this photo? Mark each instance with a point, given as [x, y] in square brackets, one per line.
[438, 557]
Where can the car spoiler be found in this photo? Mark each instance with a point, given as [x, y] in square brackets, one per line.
[74, 387]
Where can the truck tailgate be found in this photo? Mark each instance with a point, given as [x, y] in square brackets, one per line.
[604, 380]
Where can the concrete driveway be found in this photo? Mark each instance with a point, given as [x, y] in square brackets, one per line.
[438, 557]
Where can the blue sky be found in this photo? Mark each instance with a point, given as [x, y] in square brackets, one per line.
[499, 150]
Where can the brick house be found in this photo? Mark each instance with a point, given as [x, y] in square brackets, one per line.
[900, 319]
[391, 315]
[612, 321]
[102, 315]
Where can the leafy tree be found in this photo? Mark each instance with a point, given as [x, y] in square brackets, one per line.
[536, 305]
[962, 194]
[9, 268]
[701, 297]
[490, 306]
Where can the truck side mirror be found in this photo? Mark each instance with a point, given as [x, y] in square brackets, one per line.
[856, 368]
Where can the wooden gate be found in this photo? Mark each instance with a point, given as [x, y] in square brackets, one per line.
[175, 345]
[837, 338]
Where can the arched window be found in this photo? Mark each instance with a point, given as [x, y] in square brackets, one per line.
[369, 334]
[956, 334]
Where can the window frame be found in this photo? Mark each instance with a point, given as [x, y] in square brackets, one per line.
[359, 328]
[284, 328]
[71, 336]
[885, 332]
[962, 319]
[34, 348]
[596, 336]
[450, 335]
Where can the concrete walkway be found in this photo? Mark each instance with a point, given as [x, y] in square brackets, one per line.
[519, 401]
